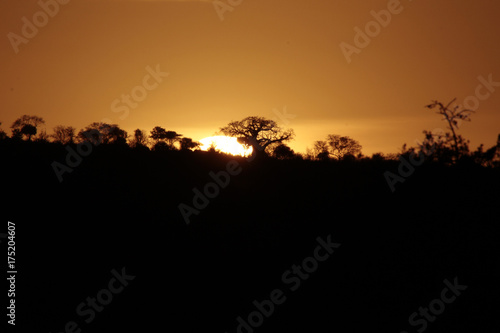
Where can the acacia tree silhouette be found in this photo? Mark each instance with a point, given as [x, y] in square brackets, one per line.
[171, 137]
[452, 115]
[158, 134]
[257, 132]
[164, 139]
[188, 144]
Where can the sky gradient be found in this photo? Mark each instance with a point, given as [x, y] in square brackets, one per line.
[265, 58]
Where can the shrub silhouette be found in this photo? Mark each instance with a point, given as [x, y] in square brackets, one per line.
[283, 152]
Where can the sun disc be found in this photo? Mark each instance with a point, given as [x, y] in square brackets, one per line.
[225, 144]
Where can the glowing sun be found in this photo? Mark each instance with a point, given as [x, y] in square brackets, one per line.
[225, 144]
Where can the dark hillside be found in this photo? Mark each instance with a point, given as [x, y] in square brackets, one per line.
[119, 208]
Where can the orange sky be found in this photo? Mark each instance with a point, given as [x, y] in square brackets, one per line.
[265, 55]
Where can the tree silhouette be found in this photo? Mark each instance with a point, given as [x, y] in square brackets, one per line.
[117, 135]
[26, 125]
[320, 150]
[63, 134]
[28, 130]
[442, 146]
[257, 132]
[188, 144]
[452, 115]
[342, 146]
[140, 139]
[99, 132]
[169, 138]
[337, 147]
[158, 133]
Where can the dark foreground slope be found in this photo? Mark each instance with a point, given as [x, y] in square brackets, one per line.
[118, 210]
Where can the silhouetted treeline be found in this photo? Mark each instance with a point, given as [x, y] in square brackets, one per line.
[119, 208]
[404, 224]
[268, 139]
